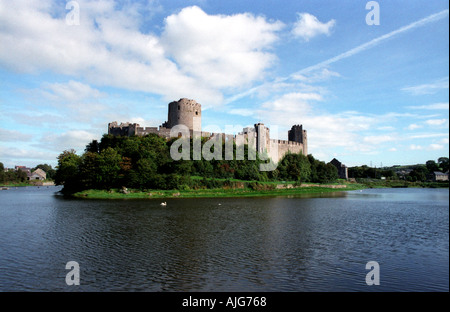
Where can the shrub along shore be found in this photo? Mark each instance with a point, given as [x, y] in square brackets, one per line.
[151, 167]
[239, 189]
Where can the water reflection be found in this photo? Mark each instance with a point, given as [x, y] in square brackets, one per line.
[234, 244]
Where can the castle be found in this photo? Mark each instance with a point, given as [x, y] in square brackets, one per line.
[188, 113]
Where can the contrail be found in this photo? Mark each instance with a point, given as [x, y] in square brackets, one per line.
[376, 41]
[372, 43]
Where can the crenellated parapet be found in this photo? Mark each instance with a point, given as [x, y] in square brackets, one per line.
[122, 129]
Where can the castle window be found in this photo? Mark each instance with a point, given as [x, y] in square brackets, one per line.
[178, 107]
[196, 113]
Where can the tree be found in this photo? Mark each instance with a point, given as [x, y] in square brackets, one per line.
[443, 163]
[89, 172]
[321, 172]
[294, 167]
[93, 147]
[432, 166]
[203, 168]
[68, 171]
[147, 169]
[109, 167]
[419, 173]
[331, 173]
[154, 147]
[21, 176]
[389, 173]
[2, 173]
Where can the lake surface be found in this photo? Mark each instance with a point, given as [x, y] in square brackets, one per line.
[226, 244]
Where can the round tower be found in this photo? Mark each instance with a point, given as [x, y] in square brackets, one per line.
[185, 112]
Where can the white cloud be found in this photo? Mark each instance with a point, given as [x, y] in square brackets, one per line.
[325, 131]
[220, 51]
[377, 139]
[413, 127]
[308, 26]
[242, 112]
[292, 103]
[14, 136]
[415, 147]
[386, 128]
[198, 55]
[71, 91]
[435, 106]
[363, 47]
[428, 88]
[348, 132]
[75, 100]
[76, 139]
[428, 135]
[436, 147]
[374, 42]
[35, 118]
[436, 122]
[23, 156]
[315, 76]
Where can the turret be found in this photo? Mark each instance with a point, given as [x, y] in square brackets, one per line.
[297, 134]
[184, 112]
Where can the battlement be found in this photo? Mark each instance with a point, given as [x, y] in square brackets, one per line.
[188, 102]
[115, 124]
[122, 129]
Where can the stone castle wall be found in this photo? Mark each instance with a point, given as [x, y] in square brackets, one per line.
[188, 112]
[283, 147]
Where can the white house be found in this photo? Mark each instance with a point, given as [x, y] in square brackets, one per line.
[38, 174]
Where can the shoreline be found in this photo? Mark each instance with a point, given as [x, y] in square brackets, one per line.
[26, 184]
[265, 190]
[306, 190]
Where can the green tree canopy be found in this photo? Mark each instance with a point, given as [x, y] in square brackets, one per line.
[443, 163]
[68, 171]
[145, 162]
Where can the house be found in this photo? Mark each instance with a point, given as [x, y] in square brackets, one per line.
[38, 174]
[24, 169]
[440, 176]
[403, 173]
[342, 169]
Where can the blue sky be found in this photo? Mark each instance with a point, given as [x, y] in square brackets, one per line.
[366, 94]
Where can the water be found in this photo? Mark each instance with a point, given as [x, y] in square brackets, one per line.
[233, 244]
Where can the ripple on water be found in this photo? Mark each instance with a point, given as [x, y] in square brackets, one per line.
[258, 244]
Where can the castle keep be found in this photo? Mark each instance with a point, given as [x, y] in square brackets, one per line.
[188, 113]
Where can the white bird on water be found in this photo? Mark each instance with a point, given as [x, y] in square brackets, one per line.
[164, 204]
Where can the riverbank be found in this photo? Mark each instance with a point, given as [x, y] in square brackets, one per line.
[378, 183]
[285, 190]
[32, 183]
[254, 189]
